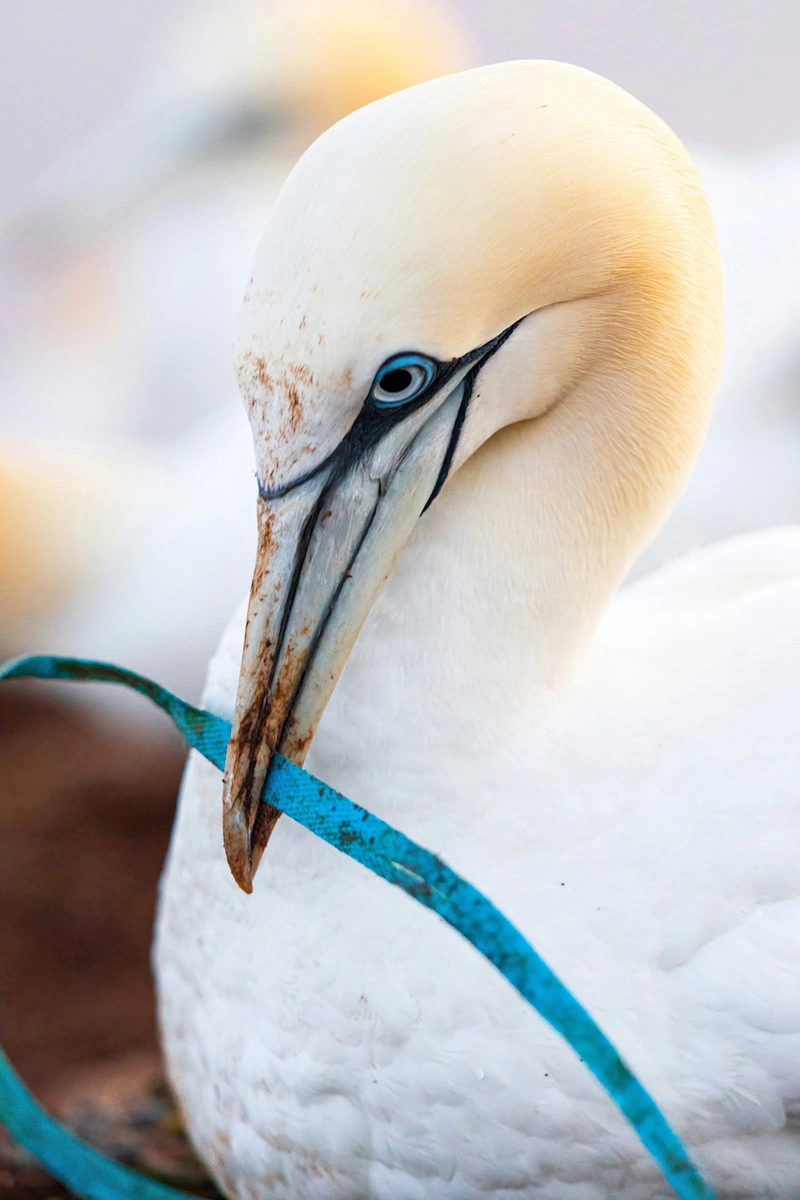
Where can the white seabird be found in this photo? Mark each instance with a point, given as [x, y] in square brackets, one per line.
[500, 292]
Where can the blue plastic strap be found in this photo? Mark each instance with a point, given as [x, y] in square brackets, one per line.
[393, 856]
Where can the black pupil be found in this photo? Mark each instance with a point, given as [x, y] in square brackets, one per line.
[397, 380]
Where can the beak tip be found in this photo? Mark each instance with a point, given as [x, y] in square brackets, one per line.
[240, 867]
[236, 838]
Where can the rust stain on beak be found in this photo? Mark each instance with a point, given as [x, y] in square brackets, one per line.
[246, 771]
[270, 673]
[293, 652]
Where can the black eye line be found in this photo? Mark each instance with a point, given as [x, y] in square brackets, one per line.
[458, 424]
[372, 422]
[447, 461]
[370, 425]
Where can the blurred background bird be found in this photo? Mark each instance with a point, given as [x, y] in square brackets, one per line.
[142, 238]
[128, 263]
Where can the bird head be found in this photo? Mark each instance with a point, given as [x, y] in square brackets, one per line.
[522, 246]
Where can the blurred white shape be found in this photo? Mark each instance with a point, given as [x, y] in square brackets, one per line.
[748, 473]
[174, 565]
[58, 518]
[133, 255]
[229, 78]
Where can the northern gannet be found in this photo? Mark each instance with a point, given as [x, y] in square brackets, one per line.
[479, 351]
[135, 611]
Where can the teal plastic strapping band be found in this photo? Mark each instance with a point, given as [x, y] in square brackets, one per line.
[393, 856]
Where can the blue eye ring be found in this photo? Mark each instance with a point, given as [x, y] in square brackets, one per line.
[401, 379]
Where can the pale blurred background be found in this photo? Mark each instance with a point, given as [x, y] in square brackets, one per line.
[722, 73]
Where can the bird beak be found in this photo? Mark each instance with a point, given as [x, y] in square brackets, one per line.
[326, 546]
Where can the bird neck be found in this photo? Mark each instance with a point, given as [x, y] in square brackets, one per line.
[496, 596]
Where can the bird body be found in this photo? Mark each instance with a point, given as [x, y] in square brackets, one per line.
[479, 351]
[329, 1038]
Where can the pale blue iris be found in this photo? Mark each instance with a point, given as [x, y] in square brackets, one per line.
[401, 379]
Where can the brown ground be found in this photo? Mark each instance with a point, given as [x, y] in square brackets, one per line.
[85, 814]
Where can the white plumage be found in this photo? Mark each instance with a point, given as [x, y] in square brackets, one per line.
[329, 1038]
[620, 778]
[746, 475]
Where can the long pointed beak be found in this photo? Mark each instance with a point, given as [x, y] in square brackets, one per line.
[326, 547]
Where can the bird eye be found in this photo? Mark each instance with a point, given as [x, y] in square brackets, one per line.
[401, 379]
